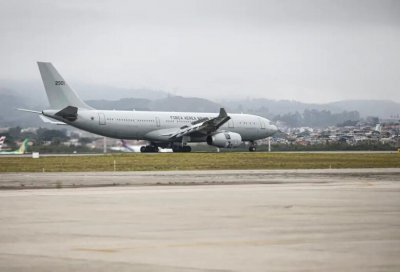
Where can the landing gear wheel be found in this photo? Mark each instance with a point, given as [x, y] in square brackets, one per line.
[149, 148]
[252, 148]
[179, 148]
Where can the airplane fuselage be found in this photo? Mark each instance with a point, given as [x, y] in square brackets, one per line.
[157, 126]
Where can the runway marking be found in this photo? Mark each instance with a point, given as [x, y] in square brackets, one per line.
[97, 250]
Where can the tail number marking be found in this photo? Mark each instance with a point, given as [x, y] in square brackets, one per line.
[60, 83]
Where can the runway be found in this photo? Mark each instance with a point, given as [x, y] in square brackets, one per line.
[29, 155]
[282, 220]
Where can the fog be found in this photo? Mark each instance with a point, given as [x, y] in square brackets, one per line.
[311, 51]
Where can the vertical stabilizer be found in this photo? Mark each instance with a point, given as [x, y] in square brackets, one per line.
[125, 145]
[23, 148]
[59, 94]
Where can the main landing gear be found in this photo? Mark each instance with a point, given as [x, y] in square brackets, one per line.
[149, 148]
[153, 148]
[178, 148]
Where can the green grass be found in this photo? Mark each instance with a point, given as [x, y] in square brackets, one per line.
[198, 161]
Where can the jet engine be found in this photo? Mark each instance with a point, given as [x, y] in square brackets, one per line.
[225, 139]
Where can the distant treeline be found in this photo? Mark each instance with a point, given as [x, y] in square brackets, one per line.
[363, 146]
[46, 140]
[317, 118]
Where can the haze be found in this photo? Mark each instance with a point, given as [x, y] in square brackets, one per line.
[311, 51]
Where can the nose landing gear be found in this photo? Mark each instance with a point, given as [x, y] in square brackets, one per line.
[252, 147]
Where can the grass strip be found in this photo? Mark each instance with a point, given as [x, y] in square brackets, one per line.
[199, 161]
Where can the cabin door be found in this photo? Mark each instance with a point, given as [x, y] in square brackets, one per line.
[102, 119]
[158, 122]
[262, 124]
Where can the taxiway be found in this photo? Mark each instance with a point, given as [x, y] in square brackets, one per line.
[309, 220]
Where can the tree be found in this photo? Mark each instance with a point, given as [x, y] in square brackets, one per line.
[291, 119]
[85, 140]
[53, 135]
[14, 132]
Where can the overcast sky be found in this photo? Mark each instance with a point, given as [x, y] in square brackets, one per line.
[307, 50]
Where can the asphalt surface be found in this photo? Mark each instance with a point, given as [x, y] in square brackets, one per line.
[29, 155]
[196, 177]
[297, 220]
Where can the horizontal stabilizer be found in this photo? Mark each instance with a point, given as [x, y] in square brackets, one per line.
[32, 111]
[49, 121]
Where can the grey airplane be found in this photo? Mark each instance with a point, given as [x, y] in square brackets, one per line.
[161, 129]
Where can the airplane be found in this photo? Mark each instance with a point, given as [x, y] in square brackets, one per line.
[172, 130]
[2, 139]
[21, 150]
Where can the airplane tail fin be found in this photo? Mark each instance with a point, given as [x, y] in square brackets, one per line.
[123, 143]
[59, 94]
[23, 147]
[2, 139]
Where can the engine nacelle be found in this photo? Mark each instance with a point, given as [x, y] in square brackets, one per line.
[225, 139]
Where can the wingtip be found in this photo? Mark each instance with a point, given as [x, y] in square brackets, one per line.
[222, 112]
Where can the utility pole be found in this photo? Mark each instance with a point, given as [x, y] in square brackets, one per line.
[269, 144]
[104, 145]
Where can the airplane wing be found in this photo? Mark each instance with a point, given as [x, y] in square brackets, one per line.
[203, 126]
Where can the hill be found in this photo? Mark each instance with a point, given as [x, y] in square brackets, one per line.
[32, 96]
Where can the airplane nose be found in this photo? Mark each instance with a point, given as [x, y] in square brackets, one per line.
[274, 128]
